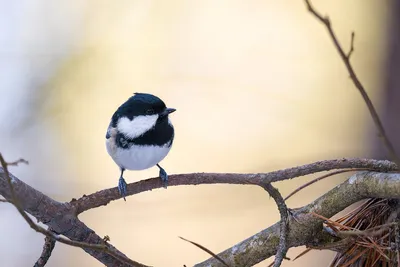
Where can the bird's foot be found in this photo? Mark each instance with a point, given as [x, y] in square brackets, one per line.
[122, 187]
[163, 177]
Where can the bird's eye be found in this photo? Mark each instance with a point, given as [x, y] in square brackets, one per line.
[150, 111]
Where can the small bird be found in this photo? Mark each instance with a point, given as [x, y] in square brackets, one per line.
[140, 135]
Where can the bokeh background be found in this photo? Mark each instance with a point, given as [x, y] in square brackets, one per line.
[257, 85]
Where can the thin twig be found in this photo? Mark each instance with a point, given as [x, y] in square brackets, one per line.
[365, 238]
[346, 59]
[272, 263]
[321, 178]
[206, 250]
[48, 247]
[370, 232]
[351, 46]
[302, 253]
[284, 212]
[38, 228]
[15, 163]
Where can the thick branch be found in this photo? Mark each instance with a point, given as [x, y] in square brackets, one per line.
[105, 196]
[60, 217]
[308, 229]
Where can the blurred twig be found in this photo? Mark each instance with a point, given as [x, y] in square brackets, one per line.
[15, 163]
[346, 60]
[206, 250]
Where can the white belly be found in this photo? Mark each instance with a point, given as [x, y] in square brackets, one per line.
[137, 157]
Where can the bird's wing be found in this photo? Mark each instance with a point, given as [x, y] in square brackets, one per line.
[110, 130]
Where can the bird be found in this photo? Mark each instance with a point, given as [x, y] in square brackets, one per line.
[140, 135]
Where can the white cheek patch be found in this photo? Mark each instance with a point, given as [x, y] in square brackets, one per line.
[136, 127]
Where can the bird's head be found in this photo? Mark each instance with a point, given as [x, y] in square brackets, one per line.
[140, 113]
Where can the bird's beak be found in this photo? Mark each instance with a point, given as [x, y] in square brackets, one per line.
[167, 111]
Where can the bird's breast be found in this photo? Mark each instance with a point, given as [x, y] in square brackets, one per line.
[143, 151]
[140, 157]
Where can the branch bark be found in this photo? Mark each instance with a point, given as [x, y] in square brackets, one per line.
[308, 230]
[284, 223]
[103, 197]
[62, 217]
[48, 247]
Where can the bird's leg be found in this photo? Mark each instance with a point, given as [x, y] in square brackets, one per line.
[122, 186]
[163, 176]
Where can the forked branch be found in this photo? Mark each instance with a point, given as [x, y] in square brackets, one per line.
[308, 229]
[353, 76]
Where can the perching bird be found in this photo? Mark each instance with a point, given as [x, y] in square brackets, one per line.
[140, 135]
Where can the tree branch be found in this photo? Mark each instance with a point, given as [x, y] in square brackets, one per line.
[346, 60]
[284, 212]
[308, 229]
[60, 217]
[48, 247]
[103, 197]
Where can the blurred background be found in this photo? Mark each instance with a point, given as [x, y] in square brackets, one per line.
[258, 86]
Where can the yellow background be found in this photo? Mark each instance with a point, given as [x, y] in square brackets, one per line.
[257, 85]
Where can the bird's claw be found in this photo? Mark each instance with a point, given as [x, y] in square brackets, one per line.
[164, 177]
[122, 187]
